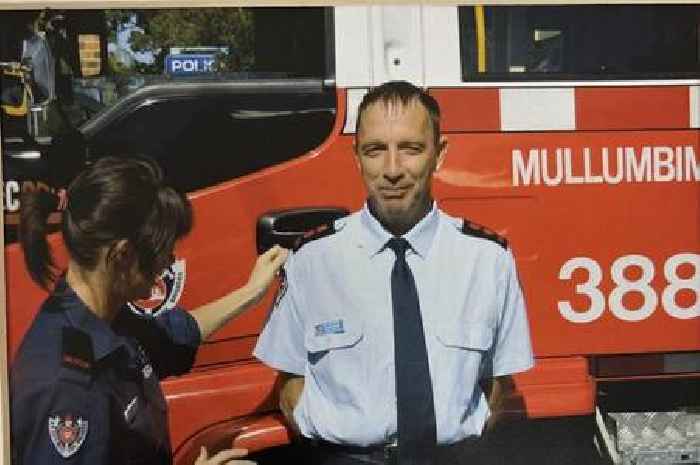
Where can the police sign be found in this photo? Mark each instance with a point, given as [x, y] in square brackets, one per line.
[183, 64]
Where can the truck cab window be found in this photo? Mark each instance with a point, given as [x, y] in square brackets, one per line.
[210, 93]
[580, 42]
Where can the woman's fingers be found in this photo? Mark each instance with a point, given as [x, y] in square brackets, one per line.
[202, 459]
[275, 254]
[227, 456]
[273, 259]
[279, 256]
[266, 268]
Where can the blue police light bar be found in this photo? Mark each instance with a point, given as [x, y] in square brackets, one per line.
[187, 64]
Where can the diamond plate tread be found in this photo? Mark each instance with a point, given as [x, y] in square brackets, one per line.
[660, 432]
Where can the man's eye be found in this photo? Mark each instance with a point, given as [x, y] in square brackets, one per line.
[373, 152]
[412, 150]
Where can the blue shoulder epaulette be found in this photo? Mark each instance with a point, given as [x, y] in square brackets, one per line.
[76, 351]
[318, 232]
[473, 229]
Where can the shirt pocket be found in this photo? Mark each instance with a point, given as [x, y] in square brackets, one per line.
[335, 356]
[331, 335]
[465, 347]
[476, 336]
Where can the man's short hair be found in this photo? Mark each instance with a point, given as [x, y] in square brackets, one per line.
[402, 92]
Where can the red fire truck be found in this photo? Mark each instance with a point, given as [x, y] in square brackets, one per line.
[573, 131]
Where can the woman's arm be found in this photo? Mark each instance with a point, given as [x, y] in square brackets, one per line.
[214, 315]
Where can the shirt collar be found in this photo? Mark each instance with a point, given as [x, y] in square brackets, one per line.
[420, 236]
[104, 339]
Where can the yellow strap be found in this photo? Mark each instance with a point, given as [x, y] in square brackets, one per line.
[19, 110]
[480, 21]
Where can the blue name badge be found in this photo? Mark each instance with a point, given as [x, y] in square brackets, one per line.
[330, 327]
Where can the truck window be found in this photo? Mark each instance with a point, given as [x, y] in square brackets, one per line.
[211, 93]
[148, 46]
[579, 42]
[254, 94]
[201, 140]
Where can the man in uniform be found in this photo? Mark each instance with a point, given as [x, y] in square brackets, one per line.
[388, 323]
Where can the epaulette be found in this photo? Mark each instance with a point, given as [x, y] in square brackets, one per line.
[318, 232]
[473, 229]
[76, 351]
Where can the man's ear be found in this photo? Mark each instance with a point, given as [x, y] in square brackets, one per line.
[441, 152]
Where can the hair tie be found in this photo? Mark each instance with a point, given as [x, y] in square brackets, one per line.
[62, 196]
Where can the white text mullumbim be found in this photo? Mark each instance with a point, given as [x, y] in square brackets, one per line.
[614, 166]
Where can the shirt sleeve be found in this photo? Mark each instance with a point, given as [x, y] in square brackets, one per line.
[59, 422]
[512, 351]
[281, 343]
[171, 339]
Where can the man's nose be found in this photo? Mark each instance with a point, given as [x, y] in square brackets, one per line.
[392, 166]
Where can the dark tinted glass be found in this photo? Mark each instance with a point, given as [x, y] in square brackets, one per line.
[574, 42]
[202, 141]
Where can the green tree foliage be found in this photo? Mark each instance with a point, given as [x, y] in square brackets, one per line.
[216, 27]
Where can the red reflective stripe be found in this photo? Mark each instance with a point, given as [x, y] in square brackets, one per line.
[75, 361]
[632, 108]
[468, 110]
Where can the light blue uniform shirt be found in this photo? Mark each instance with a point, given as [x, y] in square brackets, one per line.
[333, 324]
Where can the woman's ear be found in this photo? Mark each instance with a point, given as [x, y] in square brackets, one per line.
[119, 255]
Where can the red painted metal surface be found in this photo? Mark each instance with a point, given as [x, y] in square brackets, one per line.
[252, 433]
[554, 387]
[469, 110]
[546, 225]
[208, 397]
[632, 108]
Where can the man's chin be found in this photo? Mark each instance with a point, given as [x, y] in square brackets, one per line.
[392, 213]
[394, 218]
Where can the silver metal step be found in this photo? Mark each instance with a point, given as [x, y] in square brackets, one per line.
[650, 438]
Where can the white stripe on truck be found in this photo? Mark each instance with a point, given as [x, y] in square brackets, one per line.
[548, 109]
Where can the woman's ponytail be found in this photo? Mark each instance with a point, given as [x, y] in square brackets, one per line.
[110, 200]
[36, 206]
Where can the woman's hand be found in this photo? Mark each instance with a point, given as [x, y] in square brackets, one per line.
[226, 456]
[212, 316]
[266, 268]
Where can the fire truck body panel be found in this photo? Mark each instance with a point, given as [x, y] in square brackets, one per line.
[595, 183]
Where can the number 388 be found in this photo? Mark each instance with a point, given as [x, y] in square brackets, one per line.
[624, 285]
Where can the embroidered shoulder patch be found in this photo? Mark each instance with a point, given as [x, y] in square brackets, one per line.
[67, 433]
[473, 229]
[165, 293]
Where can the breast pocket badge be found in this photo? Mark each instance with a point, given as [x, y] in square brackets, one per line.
[67, 433]
[329, 327]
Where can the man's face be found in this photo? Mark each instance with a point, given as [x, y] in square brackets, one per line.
[397, 156]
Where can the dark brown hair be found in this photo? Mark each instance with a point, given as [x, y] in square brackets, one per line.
[402, 92]
[112, 199]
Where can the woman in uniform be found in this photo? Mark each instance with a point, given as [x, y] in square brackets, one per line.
[85, 382]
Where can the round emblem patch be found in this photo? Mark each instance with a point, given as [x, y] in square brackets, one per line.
[67, 433]
[165, 293]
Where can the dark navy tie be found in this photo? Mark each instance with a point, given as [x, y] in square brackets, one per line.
[415, 413]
